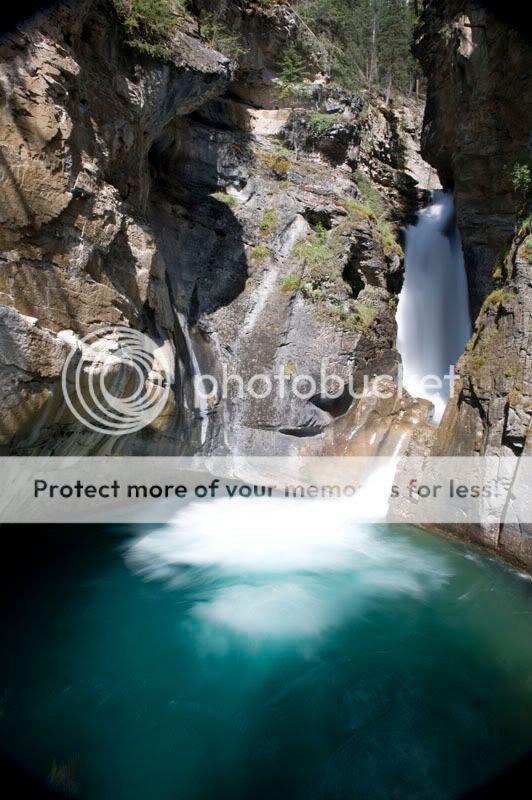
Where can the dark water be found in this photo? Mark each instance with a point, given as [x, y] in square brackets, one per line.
[386, 663]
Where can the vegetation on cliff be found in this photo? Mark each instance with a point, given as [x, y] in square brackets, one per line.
[368, 42]
[150, 24]
[361, 43]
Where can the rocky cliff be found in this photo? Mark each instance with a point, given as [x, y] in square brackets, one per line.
[244, 231]
[477, 131]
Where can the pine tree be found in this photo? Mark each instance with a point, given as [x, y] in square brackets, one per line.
[397, 66]
[369, 41]
[293, 67]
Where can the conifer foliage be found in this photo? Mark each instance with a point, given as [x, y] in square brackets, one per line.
[368, 41]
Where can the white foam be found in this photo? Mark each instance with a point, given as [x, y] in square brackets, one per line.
[281, 567]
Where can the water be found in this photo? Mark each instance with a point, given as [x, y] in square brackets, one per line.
[433, 318]
[246, 653]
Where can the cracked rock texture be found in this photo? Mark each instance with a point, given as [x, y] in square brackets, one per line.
[162, 197]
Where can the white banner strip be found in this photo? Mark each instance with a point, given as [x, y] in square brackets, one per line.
[420, 491]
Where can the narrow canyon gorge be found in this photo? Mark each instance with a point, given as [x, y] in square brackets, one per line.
[250, 233]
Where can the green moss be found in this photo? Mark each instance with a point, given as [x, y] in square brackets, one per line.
[268, 222]
[370, 193]
[260, 252]
[486, 336]
[289, 368]
[526, 249]
[317, 252]
[365, 314]
[228, 199]
[497, 274]
[374, 209]
[390, 245]
[359, 319]
[496, 298]
[478, 362]
[356, 211]
[291, 283]
[515, 395]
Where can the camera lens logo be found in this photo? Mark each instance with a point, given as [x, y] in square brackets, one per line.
[116, 380]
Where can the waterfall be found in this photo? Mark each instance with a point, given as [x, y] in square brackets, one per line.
[200, 401]
[433, 319]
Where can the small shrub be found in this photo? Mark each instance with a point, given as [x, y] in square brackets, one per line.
[312, 293]
[321, 124]
[295, 90]
[525, 226]
[260, 252]
[316, 251]
[360, 319]
[522, 177]
[293, 70]
[277, 163]
[291, 283]
[150, 24]
[220, 38]
[268, 223]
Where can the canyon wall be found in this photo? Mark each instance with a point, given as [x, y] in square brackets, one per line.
[477, 127]
[189, 200]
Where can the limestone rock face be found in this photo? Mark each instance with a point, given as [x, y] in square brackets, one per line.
[79, 118]
[477, 125]
[162, 197]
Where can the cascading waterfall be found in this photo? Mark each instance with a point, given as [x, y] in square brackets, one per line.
[266, 557]
[433, 318]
